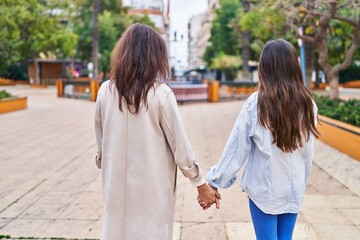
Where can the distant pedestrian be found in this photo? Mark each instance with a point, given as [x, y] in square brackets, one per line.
[274, 136]
[141, 141]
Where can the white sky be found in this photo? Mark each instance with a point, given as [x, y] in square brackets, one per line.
[180, 13]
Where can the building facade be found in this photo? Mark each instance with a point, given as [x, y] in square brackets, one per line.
[156, 11]
[198, 47]
[194, 27]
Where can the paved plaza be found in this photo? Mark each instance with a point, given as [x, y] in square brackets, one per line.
[51, 188]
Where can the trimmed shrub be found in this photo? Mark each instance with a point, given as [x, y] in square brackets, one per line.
[344, 111]
[4, 94]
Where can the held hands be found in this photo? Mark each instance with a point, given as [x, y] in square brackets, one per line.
[208, 196]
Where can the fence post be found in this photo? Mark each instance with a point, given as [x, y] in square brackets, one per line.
[94, 88]
[59, 88]
[213, 91]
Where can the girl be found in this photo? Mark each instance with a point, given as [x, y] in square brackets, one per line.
[141, 141]
[274, 137]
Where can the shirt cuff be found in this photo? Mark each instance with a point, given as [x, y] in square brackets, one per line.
[197, 182]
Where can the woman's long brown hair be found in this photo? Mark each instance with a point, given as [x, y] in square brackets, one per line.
[138, 60]
[285, 106]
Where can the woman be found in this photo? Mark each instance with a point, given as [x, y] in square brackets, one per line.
[274, 136]
[141, 141]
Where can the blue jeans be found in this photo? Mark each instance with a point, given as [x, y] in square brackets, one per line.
[272, 227]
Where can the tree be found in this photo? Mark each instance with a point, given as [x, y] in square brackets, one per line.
[95, 37]
[245, 44]
[328, 14]
[228, 65]
[28, 27]
[264, 23]
[224, 39]
[113, 21]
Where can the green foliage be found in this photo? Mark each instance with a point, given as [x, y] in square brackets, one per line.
[339, 35]
[227, 63]
[29, 27]
[113, 21]
[224, 62]
[264, 22]
[350, 74]
[17, 71]
[4, 94]
[224, 38]
[339, 41]
[345, 111]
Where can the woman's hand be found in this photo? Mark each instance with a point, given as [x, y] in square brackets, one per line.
[208, 196]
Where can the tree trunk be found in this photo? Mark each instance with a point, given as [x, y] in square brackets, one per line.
[95, 37]
[309, 62]
[334, 84]
[309, 47]
[36, 80]
[317, 69]
[245, 45]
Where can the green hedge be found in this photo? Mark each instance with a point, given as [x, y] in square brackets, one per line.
[350, 74]
[345, 111]
[4, 94]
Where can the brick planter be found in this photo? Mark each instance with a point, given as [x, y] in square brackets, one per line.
[12, 104]
[342, 136]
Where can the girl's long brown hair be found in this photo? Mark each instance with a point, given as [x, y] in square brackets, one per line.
[285, 106]
[138, 60]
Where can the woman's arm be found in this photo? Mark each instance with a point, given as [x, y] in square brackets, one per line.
[176, 136]
[98, 130]
[235, 153]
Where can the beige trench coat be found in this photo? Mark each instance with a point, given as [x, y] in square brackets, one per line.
[139, 156]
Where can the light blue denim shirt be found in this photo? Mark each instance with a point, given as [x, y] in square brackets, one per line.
[275, 181]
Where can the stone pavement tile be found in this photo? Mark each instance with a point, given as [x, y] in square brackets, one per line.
[351, 214]
[197, 214]
[14, 201]
[26, 228]
[82, 211]
[44, 210]
[336, 232]
[208, 231]
[304, 231]
[325, 184]
[89, 197]
[311, 190]
[58, 197]
[69, 229]
[70, 186]
[10, 195]
[94, 230]
[240, 230]
[338, 165]
[95, 185]
[324, 216]
[339, 201]
[177, 231]
[14, 210]
[301, 219]
[4, 221]
[234, 204]
[315, 201]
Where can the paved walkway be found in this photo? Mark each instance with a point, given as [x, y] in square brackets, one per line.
[50, 187]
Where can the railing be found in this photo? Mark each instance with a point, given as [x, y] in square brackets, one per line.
[84, 89]
[189, 92]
